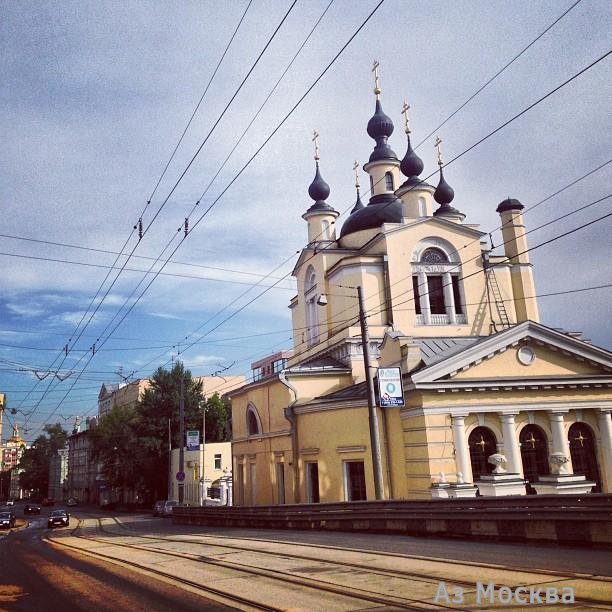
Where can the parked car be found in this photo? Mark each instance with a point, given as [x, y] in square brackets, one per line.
[7, 520]
[164, 507]
[72, 501]
[48, 501]
[58, 517]
[31, 509]
[10, 502]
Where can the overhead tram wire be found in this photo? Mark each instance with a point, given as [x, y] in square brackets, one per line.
[498, 73]
[367, 19]
[231, 152]
[292, 110]
[193, 158]
[141, 216]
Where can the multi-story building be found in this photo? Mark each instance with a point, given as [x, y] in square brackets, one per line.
[10, 455]
[82, 471]
[58, 474]
[124, 394]
[482, 376]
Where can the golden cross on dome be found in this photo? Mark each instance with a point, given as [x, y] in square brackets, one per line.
[437, 145]
[405, 110]
[580, 438]
[315, 139]
[376, 81]
[356, 168]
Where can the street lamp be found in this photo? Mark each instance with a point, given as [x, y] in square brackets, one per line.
[372, 414]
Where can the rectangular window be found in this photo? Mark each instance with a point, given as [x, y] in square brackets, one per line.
[257, 374]
[217, 462]
[457, 295]
[312, 482]
[278, 365]
[417, 295]
[280, 482]
[355, 481]
[436, 295]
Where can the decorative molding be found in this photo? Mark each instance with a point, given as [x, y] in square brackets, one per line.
[351, 449]
[309, 451]
[256, 438]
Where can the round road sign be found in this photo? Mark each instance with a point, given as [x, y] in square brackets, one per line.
[180, 476]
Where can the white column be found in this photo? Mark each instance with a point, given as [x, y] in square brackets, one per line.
[560, 443]
[605, 435]
[512, 449]
[462, 452]
[424, 298]
[449, 298]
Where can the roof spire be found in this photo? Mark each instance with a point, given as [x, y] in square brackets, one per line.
[412, 165]
[358, 204]
[444, 193]
[318, 189]
[380, 127]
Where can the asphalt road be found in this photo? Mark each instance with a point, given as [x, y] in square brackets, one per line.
[36, 576]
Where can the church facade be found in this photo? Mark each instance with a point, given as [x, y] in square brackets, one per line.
[481, 374]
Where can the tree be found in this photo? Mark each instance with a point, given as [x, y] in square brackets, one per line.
[112, 444]
[35, 460]
[217, 419]
[157, 413]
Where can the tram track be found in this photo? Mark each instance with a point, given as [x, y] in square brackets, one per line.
[559, 577]
[352, 593]
[104, 536]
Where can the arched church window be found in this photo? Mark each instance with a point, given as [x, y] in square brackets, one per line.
[534, 455]
[389, 181]
[312, 315]
[483, 444]
[325, 229]
[584, 454]
[253, 423]
[432, 255]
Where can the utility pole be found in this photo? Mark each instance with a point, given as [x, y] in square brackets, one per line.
[203, 474]
[372, 415]
[181, 469]
[169, 460]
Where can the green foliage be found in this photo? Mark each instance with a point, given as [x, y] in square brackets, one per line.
[35, 460]
[112, 445]
[217, 419]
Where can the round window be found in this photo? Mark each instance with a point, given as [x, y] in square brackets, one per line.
[526, 355]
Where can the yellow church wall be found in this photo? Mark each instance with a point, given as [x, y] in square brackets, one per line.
[321, 435]
[400, 253]
[547, 363]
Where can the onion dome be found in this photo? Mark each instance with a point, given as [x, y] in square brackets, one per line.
[383, 208]
[444, 193]
[411, 165]
[319, 191]
[509, 204]
[380, 127]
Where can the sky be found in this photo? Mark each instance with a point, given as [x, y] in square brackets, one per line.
[96, 95]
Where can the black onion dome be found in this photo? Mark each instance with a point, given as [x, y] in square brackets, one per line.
[509, 204]
[444, 193]
[383, 208]
[380, 127]
[412, 164]
[319, 189]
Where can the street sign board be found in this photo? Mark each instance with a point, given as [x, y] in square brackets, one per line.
[180, 476]
[390, 388]
[193, 439]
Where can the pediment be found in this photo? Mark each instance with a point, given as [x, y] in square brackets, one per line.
[528, 352]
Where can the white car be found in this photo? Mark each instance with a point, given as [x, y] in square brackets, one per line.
[10, 502]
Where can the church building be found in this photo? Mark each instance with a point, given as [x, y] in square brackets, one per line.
[485, 383]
